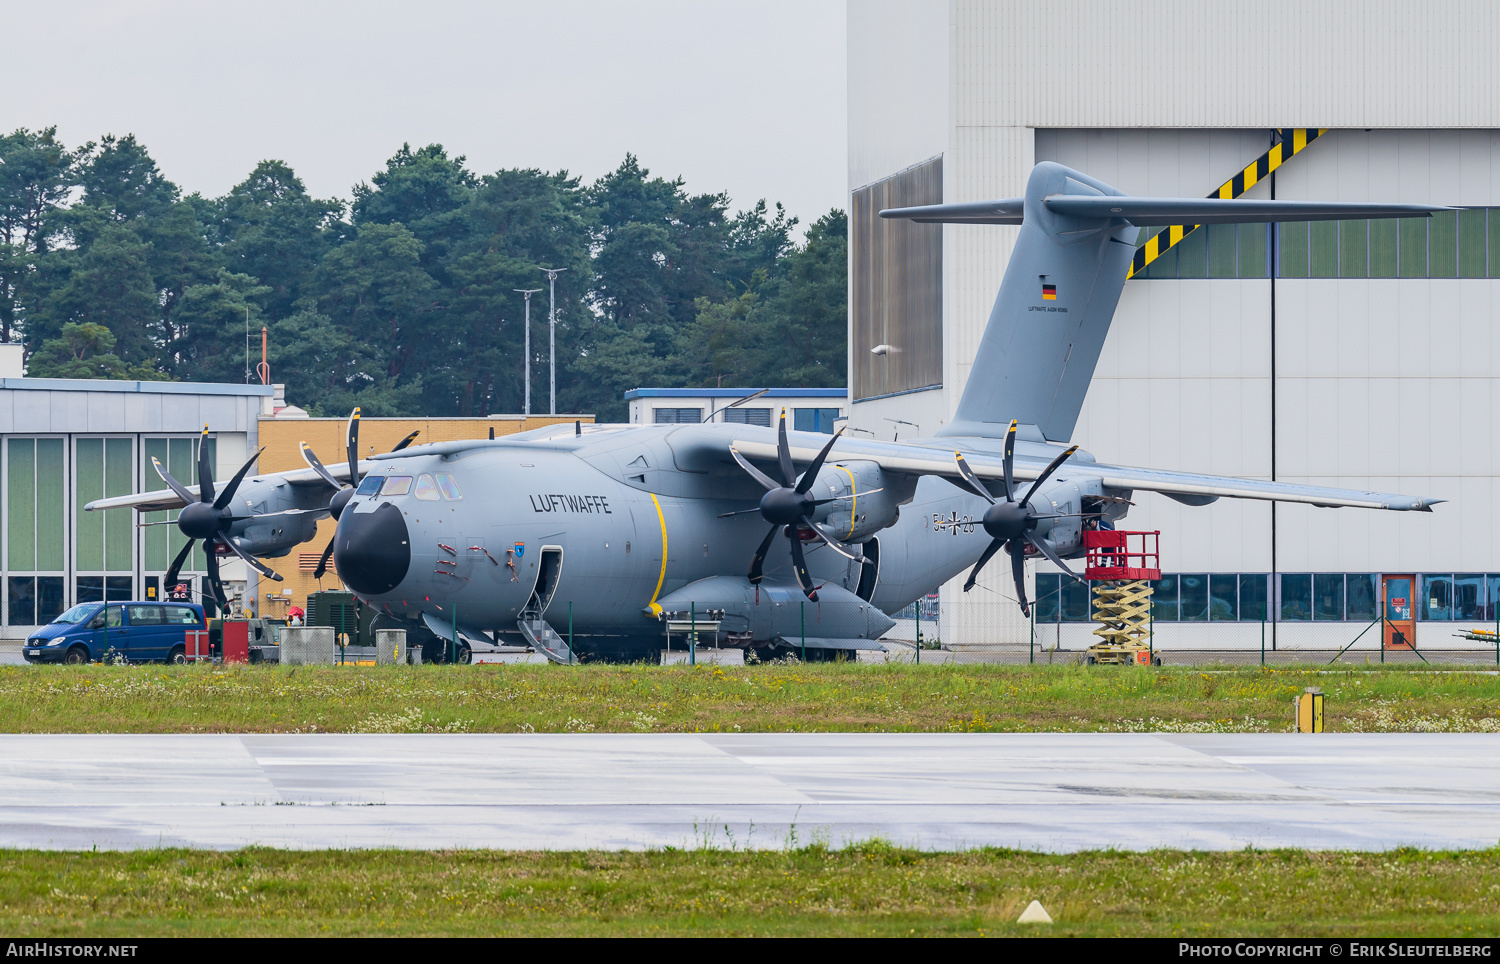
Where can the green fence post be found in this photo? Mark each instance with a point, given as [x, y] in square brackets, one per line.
[802, 607]
[453, 658]
[693, 634]
[1262, 640]
[919, 628]
[570, 633]
[1031, 647]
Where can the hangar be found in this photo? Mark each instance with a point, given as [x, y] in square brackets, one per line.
[1352, 354]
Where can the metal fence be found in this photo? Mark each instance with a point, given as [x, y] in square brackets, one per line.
[993, 630]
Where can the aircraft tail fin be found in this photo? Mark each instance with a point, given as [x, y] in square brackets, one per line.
[1058, 296]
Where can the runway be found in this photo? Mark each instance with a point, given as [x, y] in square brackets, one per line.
[1052, 792]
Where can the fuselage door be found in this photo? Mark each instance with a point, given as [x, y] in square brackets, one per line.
[548, 571]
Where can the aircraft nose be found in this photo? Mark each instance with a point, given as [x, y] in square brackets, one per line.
[372, 550]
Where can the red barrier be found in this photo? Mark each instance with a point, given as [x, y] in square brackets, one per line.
[236, 641]
[197, 645]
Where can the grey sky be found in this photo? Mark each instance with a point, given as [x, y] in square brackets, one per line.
[743, 97]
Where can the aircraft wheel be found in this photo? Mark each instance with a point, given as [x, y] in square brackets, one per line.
[77, 656]
[465, 654]
[1156, 661]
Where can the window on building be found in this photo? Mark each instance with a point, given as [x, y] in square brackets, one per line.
[163, 542]
[677, 416]
[1075, 601]
[1363, 596]
[1328, 596]
[1164, 599]
[1192, 590]
[1468, 596]
[1451, 244]
[1223, 597]
[1048, 598]
[1296, 597]
[1253, 596]
[748, 416]
[815, 419]
[1437, 598]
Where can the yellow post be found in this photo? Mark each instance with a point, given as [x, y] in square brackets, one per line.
[1310, 711]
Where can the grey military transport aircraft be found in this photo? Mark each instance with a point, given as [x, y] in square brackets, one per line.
[781, 536]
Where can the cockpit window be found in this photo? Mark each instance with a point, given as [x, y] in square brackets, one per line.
[396, 485]
[427, 489]
[370, 485]
[449, 485]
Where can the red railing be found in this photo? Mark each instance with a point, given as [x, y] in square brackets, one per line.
[1114, 555]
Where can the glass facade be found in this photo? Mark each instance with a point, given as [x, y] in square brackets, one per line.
[1299, 597]
[1451, 244]
[56, 554]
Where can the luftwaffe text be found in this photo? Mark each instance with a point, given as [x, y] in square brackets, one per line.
[558, 502]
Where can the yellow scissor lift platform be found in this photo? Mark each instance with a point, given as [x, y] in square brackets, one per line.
[1122, 574]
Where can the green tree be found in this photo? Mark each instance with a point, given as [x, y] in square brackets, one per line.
[271, 229]
[210, 322]
[84, 351]
[35, 177]
[376, 294]
[108, 284]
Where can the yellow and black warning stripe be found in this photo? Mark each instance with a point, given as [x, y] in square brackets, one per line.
[1290, 142]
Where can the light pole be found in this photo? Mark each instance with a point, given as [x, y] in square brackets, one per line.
[528, 292]
[552, 274]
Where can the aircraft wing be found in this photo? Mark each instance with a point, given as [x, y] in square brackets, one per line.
[165, 499]
[923, 459]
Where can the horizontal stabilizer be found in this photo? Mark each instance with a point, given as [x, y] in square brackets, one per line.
[1143, 211]
[973, 212]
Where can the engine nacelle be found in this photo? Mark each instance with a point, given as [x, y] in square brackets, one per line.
[1066, 498]
[859, 511]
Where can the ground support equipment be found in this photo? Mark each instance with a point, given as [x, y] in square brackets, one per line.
[1121, 566]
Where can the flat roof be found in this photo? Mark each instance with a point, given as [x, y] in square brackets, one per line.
[141, 388]
[735, 393]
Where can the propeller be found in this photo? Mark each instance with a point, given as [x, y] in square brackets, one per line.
[1012, 524]
[343, 493]
[209, 518]
[788, 505]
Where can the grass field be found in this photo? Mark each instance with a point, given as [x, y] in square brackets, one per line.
[821, 697]
[869, 890]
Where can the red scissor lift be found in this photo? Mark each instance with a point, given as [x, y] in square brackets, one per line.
[1121, 566]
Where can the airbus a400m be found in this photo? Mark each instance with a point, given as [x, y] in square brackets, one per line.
[789, 534]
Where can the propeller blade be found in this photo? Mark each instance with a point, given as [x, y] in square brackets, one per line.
[967, 474]
[1051, 467]
[1018, 571]
[799, 565]
[1010, 462]
[251, 561]
[757, 565]
[173, 484]
[412, 437]
[217, 586]
[784, 453]
[989, 552]
[176, 567]
[234, 483]
[811, 475]
[725, 515]
[322, 568]
[316, 464]
[205, 471]
[755, 473]
[1045, 548]
[839, 548]
[352, 446]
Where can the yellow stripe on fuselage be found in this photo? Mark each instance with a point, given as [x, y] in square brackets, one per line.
[661, 577]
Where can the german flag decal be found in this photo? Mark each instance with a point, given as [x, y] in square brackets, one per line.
[1049, 292]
